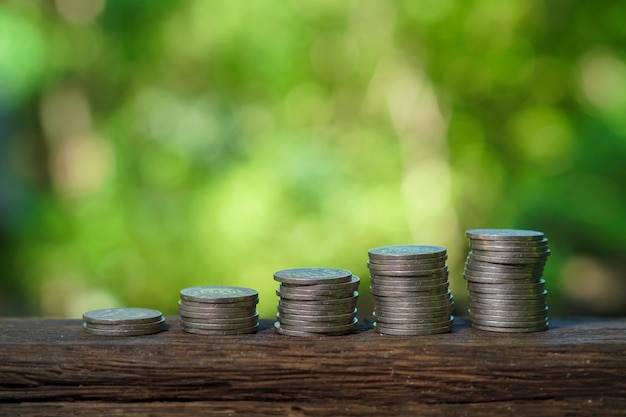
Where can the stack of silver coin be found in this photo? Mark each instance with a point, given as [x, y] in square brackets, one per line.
[504, 270]
[123, 321]
[316, 301]
[410, 288]
[218, 310]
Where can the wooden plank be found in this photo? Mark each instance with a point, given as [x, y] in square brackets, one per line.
[577, 364]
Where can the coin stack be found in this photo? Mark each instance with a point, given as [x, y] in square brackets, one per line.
[410, 288]
[504, 271]
[316, 301]
[218, 310]
[123, 321]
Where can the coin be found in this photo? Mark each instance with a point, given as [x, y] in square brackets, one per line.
[504, 234]
[528, 317]
[403, 332]
[351, 285]
[308, 276]
[115, 316]
[334, 318]
[251, 320]
[219, 306]
[290, 331]
[408, 272]
[531, 329]
[218, 332]
[218, 294]
[122, 332]
[407, 252]
[311, 296]
[156, 325]
[307, 325]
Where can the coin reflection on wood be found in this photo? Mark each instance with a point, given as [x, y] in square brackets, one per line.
[504, 270]
[410, 288]
[316, 301]
[218, 310]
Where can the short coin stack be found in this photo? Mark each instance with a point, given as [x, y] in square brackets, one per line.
[123, 321]
[316, 301]
[218, 310]
[504, 271]
[410, 288]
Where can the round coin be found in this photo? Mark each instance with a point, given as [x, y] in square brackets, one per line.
[504, 234]
[401, 332]
[196, 330]
[407, 252]
[218, 294]
[308, 276]
[122, 316]
[123, 332]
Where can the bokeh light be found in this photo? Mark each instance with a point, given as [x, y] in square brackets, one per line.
[150, 146]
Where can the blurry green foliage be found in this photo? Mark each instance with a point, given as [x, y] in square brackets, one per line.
[149, 146]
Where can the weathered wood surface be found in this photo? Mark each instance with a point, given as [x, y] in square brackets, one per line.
[52, 367]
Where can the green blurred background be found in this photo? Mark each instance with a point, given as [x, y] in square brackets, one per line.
[147, 146]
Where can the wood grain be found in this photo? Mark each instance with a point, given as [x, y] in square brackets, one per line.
[577, 366]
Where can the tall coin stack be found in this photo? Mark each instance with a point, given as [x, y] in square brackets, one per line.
[504, 271]
[410, 288]
[218, 310]
[316, 301]
[123, 321]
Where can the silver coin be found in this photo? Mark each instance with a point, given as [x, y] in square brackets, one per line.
[337, 302]
[217, 314]
[289, 331]
[417, 309]
[509, 254]
[420, 295]
[403, 267]
[218, 306]
[308, 276]
[384, 320]
[498, 289]
[411, 298]
[399, 332]
[353, 285]
[480, 278]
[407, 252]
[541, 310]
[503, 272]
[408, 302]
[417, 262]
[517, 249]
[322, 309]
[290, 321]
[508, 297]
[508, 324]
[504, 234]
[530, 319]
[508, 261]
[416, 274]
[411, 287]
[510, 329]
[320, 318]
[123, 332]
[234, 332]
[218, 294]
[507, 306]
[220, 320]
[417, 325]
[127, 326]
[510, 243]
[216, 326]
[313, 297]
[329, 330]
[323, 294]
[122, 316]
